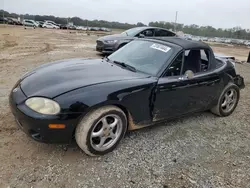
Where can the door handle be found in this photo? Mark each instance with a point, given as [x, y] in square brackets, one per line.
[210, 83]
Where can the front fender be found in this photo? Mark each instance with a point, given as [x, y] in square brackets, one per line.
[134, 95]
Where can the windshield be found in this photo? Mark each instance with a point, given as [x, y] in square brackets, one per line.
[144, 56]
[132, 32]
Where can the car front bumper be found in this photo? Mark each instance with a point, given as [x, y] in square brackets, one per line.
[105, 48]
[36, 125]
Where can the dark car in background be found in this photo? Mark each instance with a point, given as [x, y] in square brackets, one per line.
[14, 21]
[110, 43]
[3, 20]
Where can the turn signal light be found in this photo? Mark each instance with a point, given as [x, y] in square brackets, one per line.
[56, 126]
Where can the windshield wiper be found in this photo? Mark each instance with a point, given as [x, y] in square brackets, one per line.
[106, 58]
[129, 67]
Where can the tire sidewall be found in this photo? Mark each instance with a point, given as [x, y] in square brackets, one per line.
[124, 128]
[222, 96]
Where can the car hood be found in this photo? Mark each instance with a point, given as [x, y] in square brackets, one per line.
[116, 37]
[53, 79]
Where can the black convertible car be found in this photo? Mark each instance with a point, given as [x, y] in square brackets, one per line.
[96, 101]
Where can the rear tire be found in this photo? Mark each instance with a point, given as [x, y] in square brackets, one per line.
[101, 130]
[226, 104]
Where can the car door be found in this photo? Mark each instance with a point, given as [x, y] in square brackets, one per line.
[49, 26]
[170, 98]
[179, 95]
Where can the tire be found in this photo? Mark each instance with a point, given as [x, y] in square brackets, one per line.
[218, 109]
[92, 125]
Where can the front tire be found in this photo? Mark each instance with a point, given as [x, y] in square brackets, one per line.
[101, 130]
[228, 101]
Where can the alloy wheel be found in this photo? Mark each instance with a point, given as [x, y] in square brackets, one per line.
[106, 132]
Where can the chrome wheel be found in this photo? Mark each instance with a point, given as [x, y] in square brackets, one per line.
[106, 132]
[229, 100]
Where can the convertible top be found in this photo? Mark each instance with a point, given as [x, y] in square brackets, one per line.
[186, 44]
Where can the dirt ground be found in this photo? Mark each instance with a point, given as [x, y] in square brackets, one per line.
[198, 151]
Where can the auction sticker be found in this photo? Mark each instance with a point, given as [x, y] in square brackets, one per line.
[160, 47]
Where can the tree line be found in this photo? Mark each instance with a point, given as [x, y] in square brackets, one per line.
[207, 31]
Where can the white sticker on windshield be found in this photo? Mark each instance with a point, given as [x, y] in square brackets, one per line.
[160, 47]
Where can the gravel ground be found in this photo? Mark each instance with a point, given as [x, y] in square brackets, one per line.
[197, 151]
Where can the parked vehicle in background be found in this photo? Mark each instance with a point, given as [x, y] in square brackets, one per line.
[64, 26]
[94, 28]
[30, 23]
[110, 43]
[234, 41]
[241, 41]
[40, 23]
[50, 26]
[72, 27]
[13, 21]
[84, 28]
[247, 43]
[196, 38]
[105, 29]
[211, 40]
[187, 37]
[79, 27]
[10, 21]
[204, 39]
[3, 20]
[228, 41]
[51, 22]
[223, 40]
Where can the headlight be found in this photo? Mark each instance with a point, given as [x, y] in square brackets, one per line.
[43, 105]
[110, 41]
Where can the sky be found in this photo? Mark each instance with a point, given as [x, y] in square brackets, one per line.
[217, 13]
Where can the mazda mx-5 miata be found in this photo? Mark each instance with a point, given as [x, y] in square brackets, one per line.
[95, 101]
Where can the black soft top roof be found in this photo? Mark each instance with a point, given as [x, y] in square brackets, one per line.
[186, 44]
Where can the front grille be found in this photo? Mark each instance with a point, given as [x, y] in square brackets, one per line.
[99, 43]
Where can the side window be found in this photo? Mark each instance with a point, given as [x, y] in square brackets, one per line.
[148, 33]
[196, 60]
[175, 68]
[163, 33]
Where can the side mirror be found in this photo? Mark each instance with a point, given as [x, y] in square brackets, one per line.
[141, 35]
[189, 74]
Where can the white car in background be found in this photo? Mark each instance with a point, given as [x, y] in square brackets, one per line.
[50, 26]
[30, 23]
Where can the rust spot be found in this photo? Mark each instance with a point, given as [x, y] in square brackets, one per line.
[132, 126]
